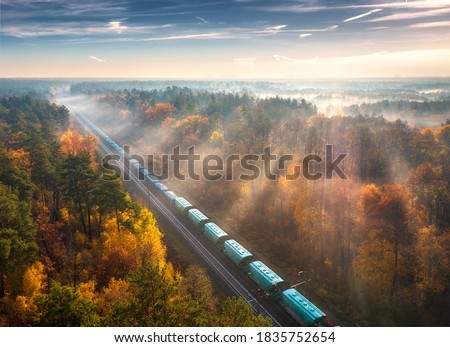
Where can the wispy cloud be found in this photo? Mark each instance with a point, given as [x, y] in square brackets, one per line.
[430, 4]
[431, 25]
[277, 27]
[98, 60]
[411, 15]
[331, 28]
[369, 58]
[281, 29]
[69, 29]
[362, 15]
[319, 30]
[202, 20]
[304, 35]
[245, 62]
[184, 37]
[290, 61]
[117, 27]
[332, 61]
[378, 28]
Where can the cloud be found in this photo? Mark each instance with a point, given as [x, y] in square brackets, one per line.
[430, 4]
[290, 61]
[98, 60]
[69, 29]
[184, 37]
[411, 15]
[116, 26]
[329, 28]
[245, 62]
[278, 27]
[362, 15]
[332, 61]
[378, 28]
[304, 35]
[431, 25]
[202, 20]
[370, 58]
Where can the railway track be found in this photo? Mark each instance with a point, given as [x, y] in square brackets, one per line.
[230, 275]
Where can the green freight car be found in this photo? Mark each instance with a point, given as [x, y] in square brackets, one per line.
[238, 254]
[265, 277]
[215, 234]
[182, 205]
[301, 308]
[197, 218]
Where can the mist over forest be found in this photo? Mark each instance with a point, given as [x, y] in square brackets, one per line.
[367, 237]
[375, 248]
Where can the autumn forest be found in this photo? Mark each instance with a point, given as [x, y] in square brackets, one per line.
[77, 250]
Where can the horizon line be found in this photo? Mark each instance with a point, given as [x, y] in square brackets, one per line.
[218, 78]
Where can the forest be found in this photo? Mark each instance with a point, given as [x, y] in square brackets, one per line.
[375, 248]
[76, 250]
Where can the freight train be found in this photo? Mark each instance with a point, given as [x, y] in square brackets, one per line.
[299, 307]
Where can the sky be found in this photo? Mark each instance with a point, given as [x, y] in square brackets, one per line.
[240, 39]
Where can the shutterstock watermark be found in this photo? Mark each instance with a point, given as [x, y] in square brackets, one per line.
[213, 167]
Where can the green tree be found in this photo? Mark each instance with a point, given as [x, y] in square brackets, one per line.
[153, 289]
[11, 175]
[199, 302]
[63, 307]
[237, 313]
[17, 235]
[77, 182]
[110, 198]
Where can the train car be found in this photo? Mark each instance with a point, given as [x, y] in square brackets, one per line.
[182, 205]
[119, 149]
[135, 163]
[301, 308]
[161, 187]
[197, 218]
[170, 195]
[215, 234]
[237, 253]
[143, 172]
[265, 277]
[126, 155]
[151, 178]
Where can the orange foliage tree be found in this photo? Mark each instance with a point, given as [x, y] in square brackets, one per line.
[155, 114]
[72, 142]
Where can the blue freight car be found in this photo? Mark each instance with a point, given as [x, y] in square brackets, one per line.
[301, 308]
[161, 187]
[151, 178]
[182, 205]
[197, 218]
[143, 172]
[215, 234]
[170, 195]
[265, 277]
[237, 253]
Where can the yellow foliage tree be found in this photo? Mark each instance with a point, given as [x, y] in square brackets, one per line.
[216, 138]
[138, 242]
[23, 309]
[34, 280]
[72, 142]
